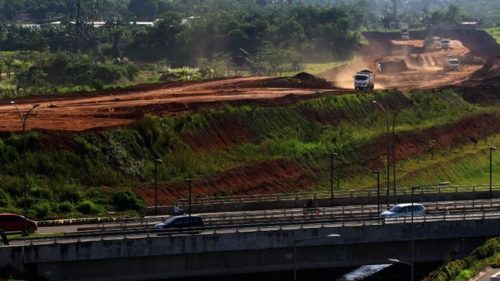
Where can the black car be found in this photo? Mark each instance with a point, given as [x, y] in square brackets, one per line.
[180, 222]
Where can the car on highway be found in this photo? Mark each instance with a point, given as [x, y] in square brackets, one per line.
[403, 210]
[15, 223]
[180, 222]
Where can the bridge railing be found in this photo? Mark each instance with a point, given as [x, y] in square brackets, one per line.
[302, 196]
[299, 213]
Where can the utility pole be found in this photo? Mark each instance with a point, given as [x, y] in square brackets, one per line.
[394, 8]
[332, 170]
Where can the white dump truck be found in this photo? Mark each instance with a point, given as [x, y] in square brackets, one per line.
[405, 32]
[452, 64]
[364, 80]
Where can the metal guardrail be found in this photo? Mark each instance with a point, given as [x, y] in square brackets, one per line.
[301, 196]
[291, 214]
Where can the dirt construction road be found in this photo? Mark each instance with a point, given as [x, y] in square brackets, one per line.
[106, 110]
[411, 68]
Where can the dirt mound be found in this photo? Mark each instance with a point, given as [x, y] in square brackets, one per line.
[484, 84]
[394, 65]
[301, 80]
[273, 176]
[490, 71]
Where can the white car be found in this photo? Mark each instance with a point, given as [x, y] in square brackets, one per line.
[404, 210]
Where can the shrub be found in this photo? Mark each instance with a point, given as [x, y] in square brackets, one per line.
[127, 200]
[4, 198]
[40, 193]
[65, 207]
[88, 208]
[68, 194]
[41, 210]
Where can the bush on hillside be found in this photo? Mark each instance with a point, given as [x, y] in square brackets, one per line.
[127, 200]
[88, 208]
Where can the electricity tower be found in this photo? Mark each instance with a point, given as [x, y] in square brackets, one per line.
[82, 24]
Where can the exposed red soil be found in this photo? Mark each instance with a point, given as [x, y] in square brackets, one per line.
[282, 175]
[124, 107]
[484, 84]
[408, 65]
[273, 176]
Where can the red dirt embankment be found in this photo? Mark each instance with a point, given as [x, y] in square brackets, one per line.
[120, 108]
[273, 176]
[484, 84]
[281, 175]
[409, 144]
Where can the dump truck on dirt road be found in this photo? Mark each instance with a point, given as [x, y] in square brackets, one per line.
[364, 80]
[445, 43]
[452, 64]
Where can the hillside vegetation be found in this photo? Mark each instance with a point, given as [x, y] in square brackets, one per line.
[94, 172]
[467, 268]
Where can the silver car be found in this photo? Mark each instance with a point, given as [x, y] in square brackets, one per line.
[404, 210]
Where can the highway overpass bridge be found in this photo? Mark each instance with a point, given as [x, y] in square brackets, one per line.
[239, 250]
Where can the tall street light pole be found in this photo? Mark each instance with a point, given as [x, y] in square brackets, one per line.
[491, 170]
[412, 235]
[190, 186]
[24, 119]
[297, 241]
[393, 144]
[378, 190]
[157, 161]
[332, 169]
[388, 149]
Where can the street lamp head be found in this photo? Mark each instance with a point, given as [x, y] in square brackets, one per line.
[12, 102]
[493, 148]
[188, 179]
[335, 154]
[158, 160]
[374, 101]
[333, 235]
[394, 260]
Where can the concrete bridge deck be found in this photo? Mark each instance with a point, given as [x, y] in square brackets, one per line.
[245, 250]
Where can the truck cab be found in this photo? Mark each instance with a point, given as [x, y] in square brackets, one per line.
[405, 35]
[405, 31]
[363, 80]
[445, 43]
[452, 64]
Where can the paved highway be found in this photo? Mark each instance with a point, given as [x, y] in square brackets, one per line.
[218, 223]
[130, 234]
[339, 213]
